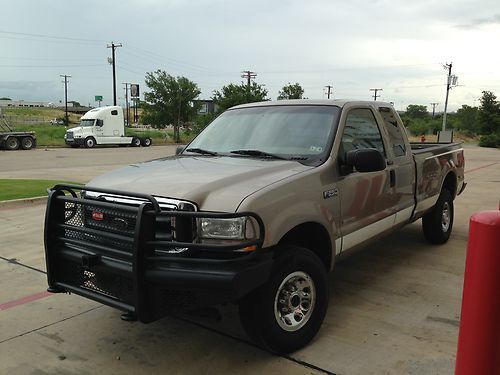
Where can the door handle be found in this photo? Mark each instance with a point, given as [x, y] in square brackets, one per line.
[392, 177]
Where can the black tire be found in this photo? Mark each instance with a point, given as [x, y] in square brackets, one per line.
[146, 142]
[12, 143]
[261, 312]
[27, 143]
[438, 223]
[136, 142]
[90, 142]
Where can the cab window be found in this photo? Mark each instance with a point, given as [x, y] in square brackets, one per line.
[114, 112]
[361, 131]
[394, 130]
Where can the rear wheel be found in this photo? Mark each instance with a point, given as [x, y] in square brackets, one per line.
[12, 143]
[438, 223]
[90, 142]
[287, 312]
[146, 142]
[27, 143]
[136, 142]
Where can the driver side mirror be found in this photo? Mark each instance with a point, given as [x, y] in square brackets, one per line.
[99, 123]
[364, 160]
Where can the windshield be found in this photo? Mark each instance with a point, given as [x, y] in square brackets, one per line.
[87, 122]
[291, 131]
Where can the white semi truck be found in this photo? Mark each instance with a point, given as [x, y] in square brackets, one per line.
[103, 126]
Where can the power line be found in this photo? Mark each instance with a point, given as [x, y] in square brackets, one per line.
[51, 37]
[375, 96]
[113, 47]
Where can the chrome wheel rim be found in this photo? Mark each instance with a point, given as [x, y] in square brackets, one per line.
[294, 301]
[445, 217]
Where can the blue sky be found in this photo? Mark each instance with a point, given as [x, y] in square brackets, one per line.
[397, 45]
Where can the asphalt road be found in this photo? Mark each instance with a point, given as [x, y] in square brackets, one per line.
[394, 307]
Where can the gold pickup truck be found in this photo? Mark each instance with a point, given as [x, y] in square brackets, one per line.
[255, 211]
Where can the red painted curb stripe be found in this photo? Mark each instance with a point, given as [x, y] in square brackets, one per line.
[22, 301]
[483, 166]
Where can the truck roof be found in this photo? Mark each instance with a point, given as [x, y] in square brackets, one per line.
[97, 111]
[334, 103]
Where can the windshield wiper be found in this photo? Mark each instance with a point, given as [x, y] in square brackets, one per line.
[257, 153]
[201, 151]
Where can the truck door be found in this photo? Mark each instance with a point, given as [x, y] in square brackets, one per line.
[400, 165]
[99, 128]
[365, 198]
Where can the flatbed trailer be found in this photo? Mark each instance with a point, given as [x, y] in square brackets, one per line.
[12, 140]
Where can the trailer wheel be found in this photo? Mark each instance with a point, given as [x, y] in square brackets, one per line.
[286, 313]
[12, 143]
[27, 143]
[146, 142]
[90, 142]
[136, 142]
[437, 224]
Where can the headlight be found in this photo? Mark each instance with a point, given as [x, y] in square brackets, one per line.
[241, 228]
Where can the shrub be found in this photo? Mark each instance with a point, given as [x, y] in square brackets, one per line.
[492, 140]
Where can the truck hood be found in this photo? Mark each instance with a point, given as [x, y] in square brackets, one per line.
[213, 183]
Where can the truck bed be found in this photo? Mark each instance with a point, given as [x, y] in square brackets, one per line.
[434, 162]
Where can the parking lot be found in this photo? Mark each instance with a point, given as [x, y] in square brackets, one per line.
[394, 307]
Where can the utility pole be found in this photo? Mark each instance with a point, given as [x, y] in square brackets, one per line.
[126, 102]
[249, 75]
[113, 47]
[329, 90]
[375, 96]
[66, 120]
[448, 84]
[434, 108]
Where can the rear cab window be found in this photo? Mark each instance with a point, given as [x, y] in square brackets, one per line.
[394, 131]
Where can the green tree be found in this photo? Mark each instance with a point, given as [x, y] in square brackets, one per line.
[231, 95]
[489, 114]
[290, 91]
[169, 101]
[467, 119]
[416, 111]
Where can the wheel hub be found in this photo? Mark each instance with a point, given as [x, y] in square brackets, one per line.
[294, 301]
[445, 217]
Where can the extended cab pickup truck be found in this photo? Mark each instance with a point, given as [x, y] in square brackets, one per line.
[255, 210]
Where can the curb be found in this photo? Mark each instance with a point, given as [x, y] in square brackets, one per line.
[24, 202]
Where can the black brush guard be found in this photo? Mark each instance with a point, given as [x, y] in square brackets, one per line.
[114, 253]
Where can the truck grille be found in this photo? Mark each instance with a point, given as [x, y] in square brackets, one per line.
[69, 135]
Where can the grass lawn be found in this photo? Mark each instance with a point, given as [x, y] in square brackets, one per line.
[17, 189]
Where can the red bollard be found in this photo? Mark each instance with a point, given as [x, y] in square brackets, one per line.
[479, 338]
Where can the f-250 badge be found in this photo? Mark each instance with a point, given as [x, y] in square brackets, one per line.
[330, 193]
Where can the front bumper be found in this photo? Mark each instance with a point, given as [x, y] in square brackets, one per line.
[120, 265]
[74, 141]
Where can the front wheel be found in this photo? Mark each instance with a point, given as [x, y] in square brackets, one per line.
[437, 224]
[90, 142]
[287, 312]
